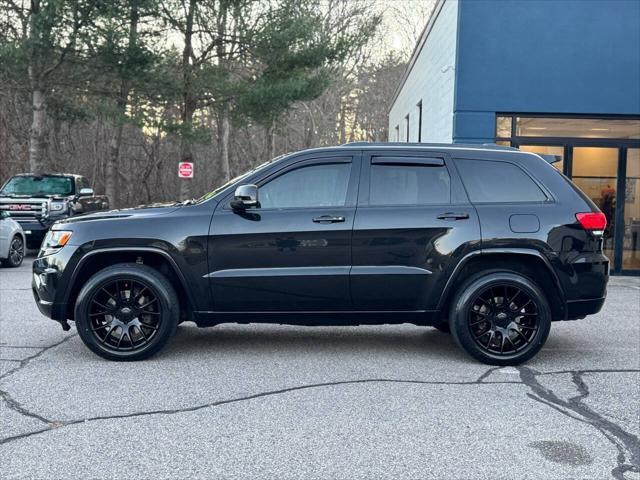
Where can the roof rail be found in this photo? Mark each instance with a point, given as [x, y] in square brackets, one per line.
[492, 146]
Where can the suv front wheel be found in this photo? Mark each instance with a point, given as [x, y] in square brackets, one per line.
[126, 312]
[500, 318]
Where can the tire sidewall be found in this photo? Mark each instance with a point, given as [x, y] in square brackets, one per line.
[464, 300]
[8, 262]
[153, 280]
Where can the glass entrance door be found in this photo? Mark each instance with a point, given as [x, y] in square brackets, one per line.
[595, 172]
[631, 214]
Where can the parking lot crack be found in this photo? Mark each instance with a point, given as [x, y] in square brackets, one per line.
[25, 361]
[57, 424]
[627, 444]
[17, 407]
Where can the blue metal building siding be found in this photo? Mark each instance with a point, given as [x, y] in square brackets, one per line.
[544, 56]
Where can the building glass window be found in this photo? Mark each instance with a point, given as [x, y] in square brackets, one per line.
[595, 172]
[577, 127]
[557, 152]
[503, 127]
[631, 238]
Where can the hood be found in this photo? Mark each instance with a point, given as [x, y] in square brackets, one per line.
[124, 213]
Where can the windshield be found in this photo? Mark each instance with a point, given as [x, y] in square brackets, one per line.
[207, 196]
[32, 186]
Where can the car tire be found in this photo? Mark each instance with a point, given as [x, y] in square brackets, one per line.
[500, 318]
[16, 252]
[127, 312]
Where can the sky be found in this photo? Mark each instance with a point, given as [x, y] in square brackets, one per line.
[402, 23]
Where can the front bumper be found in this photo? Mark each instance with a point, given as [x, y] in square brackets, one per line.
[50, 278]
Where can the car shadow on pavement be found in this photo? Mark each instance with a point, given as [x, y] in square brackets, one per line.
[264, 339]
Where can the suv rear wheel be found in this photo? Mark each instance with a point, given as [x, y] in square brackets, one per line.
[500, 318]
[126, 312]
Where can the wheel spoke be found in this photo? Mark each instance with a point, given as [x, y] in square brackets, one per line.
[111, 296]
[142, 307]
[514, 296]
[108, 334]
[149, 326]
[521, 334]
[104, 307]
[99, 327]
[142, 332]
[139, 294]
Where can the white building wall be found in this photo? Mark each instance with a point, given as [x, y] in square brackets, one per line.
[431, 80]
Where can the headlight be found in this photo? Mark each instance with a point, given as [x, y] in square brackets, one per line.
[54, 240]
[57, 206]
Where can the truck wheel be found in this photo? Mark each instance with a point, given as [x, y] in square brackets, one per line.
[16, 252]
[126, 312]
[500, 318]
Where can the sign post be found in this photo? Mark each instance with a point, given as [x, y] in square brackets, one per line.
[185, 170]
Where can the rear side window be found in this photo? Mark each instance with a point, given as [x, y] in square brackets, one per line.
[498, 182]
[396, 184]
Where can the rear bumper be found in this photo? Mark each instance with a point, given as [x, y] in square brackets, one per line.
[577, 309]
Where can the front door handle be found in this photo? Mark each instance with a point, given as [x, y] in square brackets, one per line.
[328, 219]
[453, 216]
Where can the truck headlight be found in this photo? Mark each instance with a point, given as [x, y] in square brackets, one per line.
[57, 207]
[54, 240]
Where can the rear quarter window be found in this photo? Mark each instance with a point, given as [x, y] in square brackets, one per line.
[490, 181]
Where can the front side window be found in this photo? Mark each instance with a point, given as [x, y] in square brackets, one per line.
[323, 185]
[487, 181]
[409, 185]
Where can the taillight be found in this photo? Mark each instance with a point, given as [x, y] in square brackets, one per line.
[592, 221]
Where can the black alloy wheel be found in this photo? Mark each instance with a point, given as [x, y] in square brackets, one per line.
[16, 252]
[500, 317]
[127, 312]
[503, 319]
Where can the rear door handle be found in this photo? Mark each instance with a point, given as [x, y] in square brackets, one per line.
[328, 219]
[453, 216]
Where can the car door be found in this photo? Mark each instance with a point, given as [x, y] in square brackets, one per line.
[412, 225]
[293, 253]
[5, 234]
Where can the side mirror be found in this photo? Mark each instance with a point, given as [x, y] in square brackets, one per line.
[246, 196]
[4, 214]
[86, 192]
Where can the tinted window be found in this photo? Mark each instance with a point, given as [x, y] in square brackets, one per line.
[314, 186]
[498, 182]
[409, 185]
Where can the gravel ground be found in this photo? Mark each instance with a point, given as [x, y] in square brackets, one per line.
[266, 401]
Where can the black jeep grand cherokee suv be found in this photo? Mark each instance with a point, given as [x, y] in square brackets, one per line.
[488, 242]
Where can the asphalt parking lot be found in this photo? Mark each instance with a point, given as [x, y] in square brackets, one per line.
[258, 401]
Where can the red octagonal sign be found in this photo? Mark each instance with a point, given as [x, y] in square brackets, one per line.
[185, 170]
